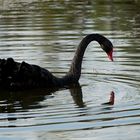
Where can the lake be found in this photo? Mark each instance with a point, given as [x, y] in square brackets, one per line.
[47, 33]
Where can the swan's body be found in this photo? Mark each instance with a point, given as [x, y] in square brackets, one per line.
[23, 75]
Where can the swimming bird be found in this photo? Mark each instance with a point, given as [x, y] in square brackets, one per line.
[15, 75]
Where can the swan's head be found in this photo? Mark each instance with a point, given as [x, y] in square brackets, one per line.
[107, 47]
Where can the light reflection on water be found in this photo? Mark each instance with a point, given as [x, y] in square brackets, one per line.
[47, 34]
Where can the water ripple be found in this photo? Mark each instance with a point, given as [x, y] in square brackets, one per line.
[47, 33]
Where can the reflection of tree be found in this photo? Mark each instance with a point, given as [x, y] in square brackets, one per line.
[60, 17]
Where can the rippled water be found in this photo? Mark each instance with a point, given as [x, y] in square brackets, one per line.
[47, 33]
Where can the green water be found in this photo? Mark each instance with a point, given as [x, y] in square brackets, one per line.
[47, 33]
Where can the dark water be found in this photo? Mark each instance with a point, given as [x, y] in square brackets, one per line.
[47, 33]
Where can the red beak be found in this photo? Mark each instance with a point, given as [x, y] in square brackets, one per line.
[110, 55]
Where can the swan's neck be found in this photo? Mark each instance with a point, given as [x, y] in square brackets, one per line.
[75, 68]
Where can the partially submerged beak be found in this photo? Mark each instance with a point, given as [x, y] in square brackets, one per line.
[110, 55]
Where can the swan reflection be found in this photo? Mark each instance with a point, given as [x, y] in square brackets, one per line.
[15, 101]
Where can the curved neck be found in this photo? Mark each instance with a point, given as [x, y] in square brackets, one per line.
[75, 68]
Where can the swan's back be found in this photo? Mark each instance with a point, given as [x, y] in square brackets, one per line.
[23, 75]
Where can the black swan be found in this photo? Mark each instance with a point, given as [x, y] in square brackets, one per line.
[15, 75]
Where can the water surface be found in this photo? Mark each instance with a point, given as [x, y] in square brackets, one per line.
[47, 33]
